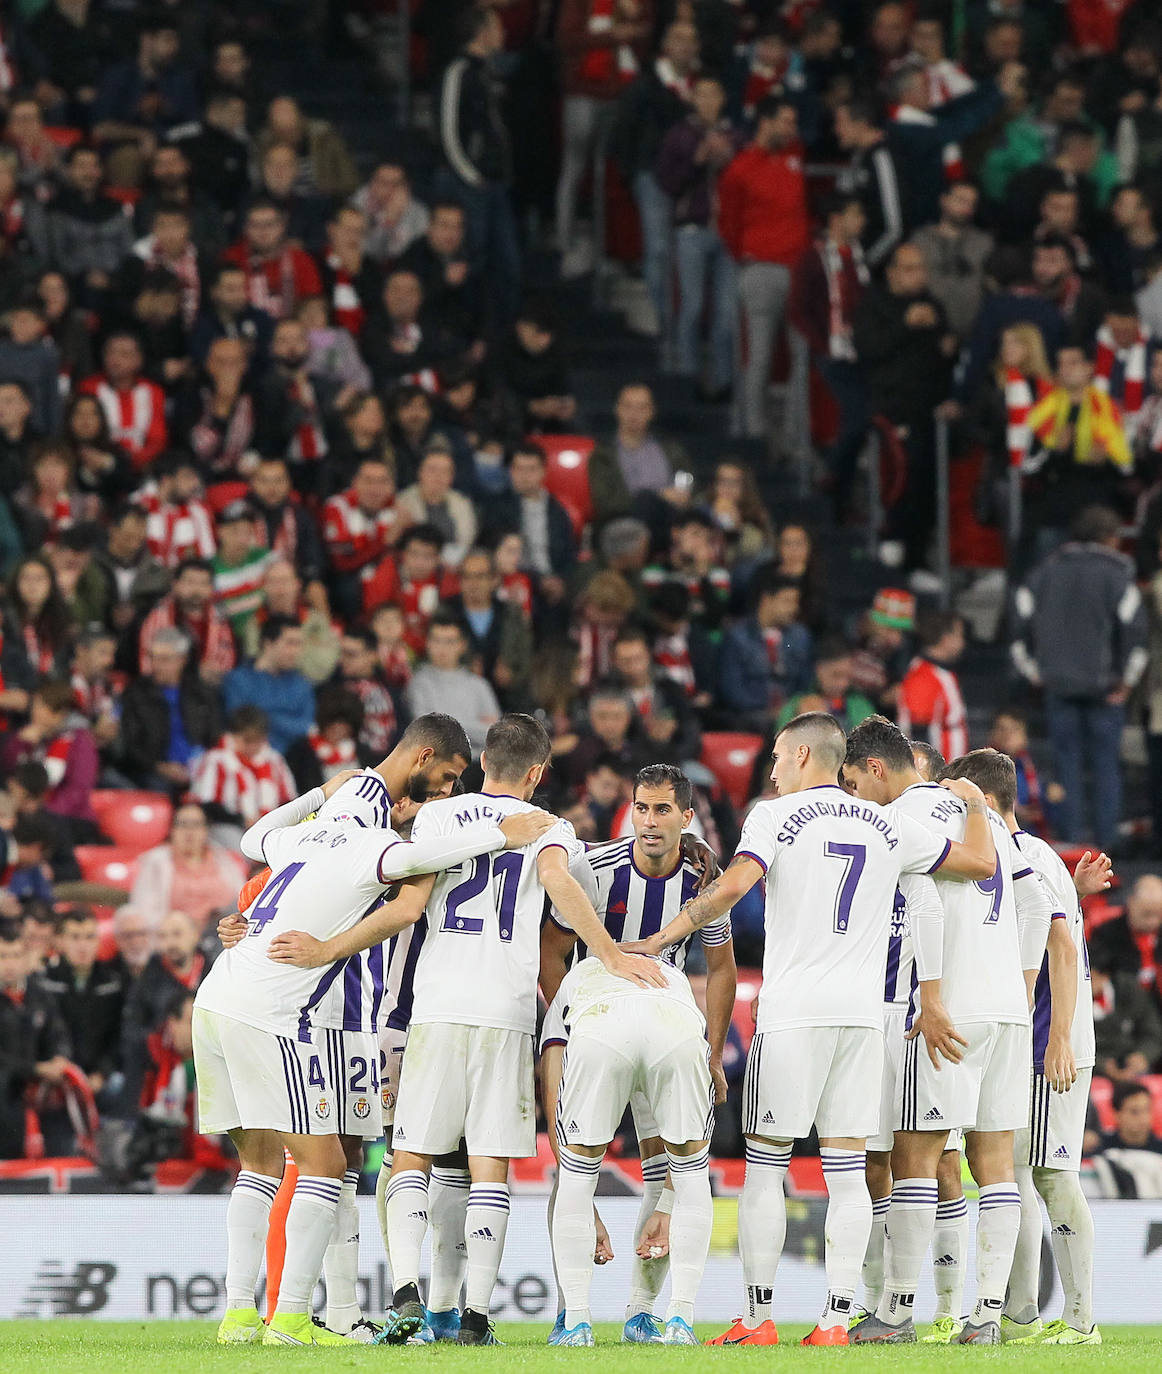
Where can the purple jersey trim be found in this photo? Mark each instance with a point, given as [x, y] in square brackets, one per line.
[379, 862]
[750, 854]
[940, 860]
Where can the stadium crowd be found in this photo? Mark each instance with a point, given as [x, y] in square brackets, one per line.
[285, 446]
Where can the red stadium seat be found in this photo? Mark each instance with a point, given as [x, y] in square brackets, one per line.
[111, 864]
[136, 820]
[1153, 1081]
[1101, 1094]
[567, 476]
[730, 757]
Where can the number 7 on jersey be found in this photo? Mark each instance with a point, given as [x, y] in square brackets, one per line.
[853, 857]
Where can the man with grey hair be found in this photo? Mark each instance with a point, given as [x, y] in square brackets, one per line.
[1132, 943]
[169, 716]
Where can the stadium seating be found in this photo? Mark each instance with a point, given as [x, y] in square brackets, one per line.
[567, 474]
[135, 820]
[730, 757]
[112, 865]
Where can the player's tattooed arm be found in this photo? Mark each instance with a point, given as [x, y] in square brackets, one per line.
[715, 900]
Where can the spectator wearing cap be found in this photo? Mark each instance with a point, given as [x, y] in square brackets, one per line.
[765, 658]
[500, 639]
[275, 683]
[90, 234]
[332, 742]
[169, 716]
[189, 607]
[762, 217]
[29, 356]
[549, 549]
[240, 566]
[635, 469]
[531, 368]
[243, 776]
[360, 525]
[431, 500]
[134, 407]
[832, 691]
[442, 682]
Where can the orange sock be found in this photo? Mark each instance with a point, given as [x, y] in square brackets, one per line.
[276, 1234]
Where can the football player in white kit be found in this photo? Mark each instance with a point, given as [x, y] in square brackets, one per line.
[467, 1071]
[626, 1041]
[637, 886]
[832, 865]
[973, 1012]
[265, 1075]
[1048, 1149]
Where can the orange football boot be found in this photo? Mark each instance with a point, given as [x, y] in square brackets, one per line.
[740, 1334]
[831, 1335]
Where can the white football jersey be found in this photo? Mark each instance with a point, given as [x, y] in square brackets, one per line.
[1058, 882]
[324, 879]
[832, 864]
[589, 983]
[900, 975]
[982, 978]
[634, 906]
[481, 949]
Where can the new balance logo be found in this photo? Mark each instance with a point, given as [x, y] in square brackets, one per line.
[483, 1234]
[946, 1260]
[81, 1292]
[933, 1114]
[1061, 1152]
[768, 1118]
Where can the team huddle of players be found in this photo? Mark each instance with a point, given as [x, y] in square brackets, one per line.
[373, 983]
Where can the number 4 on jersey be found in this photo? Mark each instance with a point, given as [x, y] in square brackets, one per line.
[267, 909]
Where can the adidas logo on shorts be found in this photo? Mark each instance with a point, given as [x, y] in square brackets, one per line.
[945, 1260]
[933, 1114]
[417, 1216]
[768, 1118]
[572, 1127]
[1061, 1152]
[483, 1234]
[1063, 1230]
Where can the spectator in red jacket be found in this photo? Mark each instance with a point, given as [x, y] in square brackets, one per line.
[762, 217]
[278, 273]
[359, 527]
[414, 580]
[931, 706]
[133, 406]
[828, 282]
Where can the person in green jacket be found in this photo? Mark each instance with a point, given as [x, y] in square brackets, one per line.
[832, 690]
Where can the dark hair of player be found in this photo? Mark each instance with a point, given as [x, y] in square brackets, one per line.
[666, 775]
[822, 734]
[993, 772]
[439, 732]
[514, 744]
[934, 760]
[877, 738]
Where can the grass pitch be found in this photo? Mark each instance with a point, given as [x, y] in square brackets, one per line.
[46, 1347]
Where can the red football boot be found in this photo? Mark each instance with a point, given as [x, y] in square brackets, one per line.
[831, 1335]
[741, 1334]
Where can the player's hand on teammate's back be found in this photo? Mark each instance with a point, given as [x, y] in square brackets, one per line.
[699, 853]
[646, 973]
[526, 827]
[652, 946]
[231, 929]
[963, 788]
[940, 1035]
[332, 785]
[1094, 873]
[298, 948]
[655, 1237]
[1060, 1065]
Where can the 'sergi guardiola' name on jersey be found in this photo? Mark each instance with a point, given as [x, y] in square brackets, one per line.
[480, 958]
[832, 864]
[589, 984]
[1058, 882]
[324, 879]
[633, 906]
[981, 978]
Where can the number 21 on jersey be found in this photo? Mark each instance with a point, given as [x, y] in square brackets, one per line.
[506, 868]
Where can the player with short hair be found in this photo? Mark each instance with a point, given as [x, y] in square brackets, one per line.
[832, 866]
[265, 1073]
[1049, 1149]
[626, 1042]
[971, 947]
[637, 886]
[467, 1071]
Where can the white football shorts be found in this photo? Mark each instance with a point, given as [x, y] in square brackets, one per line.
[895, 1015]
[987, 1091]
[1053, 1138]
[824, 1076]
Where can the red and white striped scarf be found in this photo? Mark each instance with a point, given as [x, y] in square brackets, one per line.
[246, 787]
[260, 290]
[672, 656]
[842, 298]
[174, 531]
[221, 450]
[517, 589]
[94, 699]
[594, 652]
[41, 656]
[346, 307]
[185, 269]
[309, 442]
[286, 534]
[333, 758]
[599, 64]
[130, 412]
[1133, 361]
[58, 511]
[1019, 401]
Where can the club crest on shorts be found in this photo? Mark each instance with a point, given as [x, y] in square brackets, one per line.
[388, 1098]
[322, 1109]
[362, 1108]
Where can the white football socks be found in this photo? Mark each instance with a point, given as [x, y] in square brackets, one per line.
[949, 1250]
[310, 1223]
[762, 1224]
[997, 1224]
[846, 1231]
[381, 1183]
[873, 1260]
[574, 1234]
[691, 1222]
[911, 1219]
[485, 1227]
[406, 1210]
[1071, 1234]
[647, 1276]
[341, 1262]
[247, 1216]
[1021, 1304]
[447, 1208]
